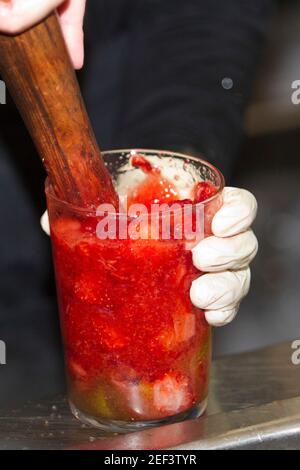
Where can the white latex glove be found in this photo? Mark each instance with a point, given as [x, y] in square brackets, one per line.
[18, 15]
[225, 256]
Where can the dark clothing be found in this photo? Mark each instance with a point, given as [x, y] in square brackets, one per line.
[163, 63]
[153, 79]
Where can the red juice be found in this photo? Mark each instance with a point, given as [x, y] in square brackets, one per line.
[136, 349]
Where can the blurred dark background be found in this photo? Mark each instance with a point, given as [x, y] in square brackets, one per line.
[154, 77]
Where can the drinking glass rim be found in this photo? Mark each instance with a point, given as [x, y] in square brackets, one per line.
[92, 212]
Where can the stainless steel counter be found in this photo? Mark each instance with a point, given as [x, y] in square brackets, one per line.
[254, 404]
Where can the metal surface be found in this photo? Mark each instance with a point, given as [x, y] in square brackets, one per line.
[254, 404]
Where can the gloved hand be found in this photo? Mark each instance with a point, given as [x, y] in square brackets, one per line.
[225, 256]
[18, 15]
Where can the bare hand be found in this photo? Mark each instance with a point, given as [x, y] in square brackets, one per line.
[18, 15]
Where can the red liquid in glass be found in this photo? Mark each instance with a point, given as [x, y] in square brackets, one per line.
[136, 347]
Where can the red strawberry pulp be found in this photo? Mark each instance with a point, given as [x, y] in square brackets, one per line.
[136, 347]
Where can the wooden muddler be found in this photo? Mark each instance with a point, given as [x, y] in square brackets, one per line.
[38, 72]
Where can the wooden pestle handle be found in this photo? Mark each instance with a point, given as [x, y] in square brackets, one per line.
[38, 72]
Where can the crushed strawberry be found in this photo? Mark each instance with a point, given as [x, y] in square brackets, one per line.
[139, 161]
[129, 326]
[172, 394]
[204, 190]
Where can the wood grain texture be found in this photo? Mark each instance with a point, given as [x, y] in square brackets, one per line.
[38, 72]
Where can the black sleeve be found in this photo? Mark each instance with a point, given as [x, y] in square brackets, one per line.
[178, 55]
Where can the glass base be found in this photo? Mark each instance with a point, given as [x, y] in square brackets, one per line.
[110, 425]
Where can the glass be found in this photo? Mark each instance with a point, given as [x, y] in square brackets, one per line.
[137, 351]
